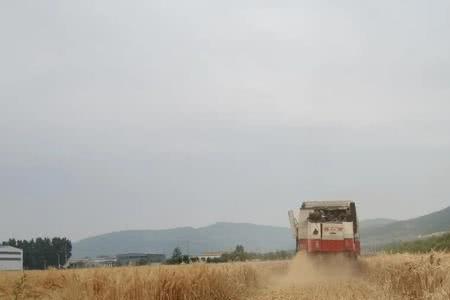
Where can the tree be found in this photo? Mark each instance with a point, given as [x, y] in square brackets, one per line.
[239, 253]
[10, 242]
[62, 248]
[177, 254]
[177, 257]
[186, 259]
[41, 253]
[239, 249]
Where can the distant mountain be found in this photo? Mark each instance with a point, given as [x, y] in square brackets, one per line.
[374, 223]
[217, 237]
[225, 236]
[406, 230]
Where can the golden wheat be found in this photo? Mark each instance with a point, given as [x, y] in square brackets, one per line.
[399, 276]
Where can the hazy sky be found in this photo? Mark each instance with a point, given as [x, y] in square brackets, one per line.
[151, 114]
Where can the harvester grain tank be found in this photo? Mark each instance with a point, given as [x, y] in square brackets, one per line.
[326, 227]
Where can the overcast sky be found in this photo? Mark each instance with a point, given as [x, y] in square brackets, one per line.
[123, 115]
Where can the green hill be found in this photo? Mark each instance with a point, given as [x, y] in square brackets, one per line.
[437, 243]
[406, 230]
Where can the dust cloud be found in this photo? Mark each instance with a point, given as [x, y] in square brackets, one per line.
[315, 269]
[316, 277]
[383, 276]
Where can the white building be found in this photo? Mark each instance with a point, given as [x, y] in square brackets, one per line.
[11, 258]
[211, 255]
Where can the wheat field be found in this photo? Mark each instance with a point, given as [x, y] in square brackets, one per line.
[399, 276]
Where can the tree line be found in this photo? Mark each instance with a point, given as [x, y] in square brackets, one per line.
[42, 253]
[239, 254]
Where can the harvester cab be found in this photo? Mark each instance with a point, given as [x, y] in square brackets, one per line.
[326, 227]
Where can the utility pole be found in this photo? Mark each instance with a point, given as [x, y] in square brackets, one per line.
[65, 252]
[59, 262]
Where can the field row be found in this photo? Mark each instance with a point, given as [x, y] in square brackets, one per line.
[378, 277]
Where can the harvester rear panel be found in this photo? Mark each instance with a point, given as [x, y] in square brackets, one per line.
[326, 227]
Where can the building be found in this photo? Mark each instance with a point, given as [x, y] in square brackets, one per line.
[74, 263]
[139, 259]
[209, 255]
[105, 261]
[11, 258]
[100, 261]
[126, 259]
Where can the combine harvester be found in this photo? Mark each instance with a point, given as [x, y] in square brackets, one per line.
[326, 227]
